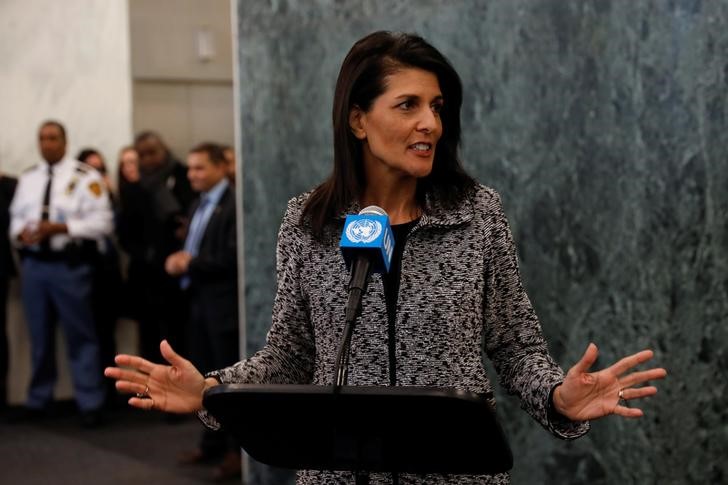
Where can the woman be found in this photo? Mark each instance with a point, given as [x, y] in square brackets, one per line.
[93, 157]
[131, 227]
[107, 284]
[454, 282]
[128, 165]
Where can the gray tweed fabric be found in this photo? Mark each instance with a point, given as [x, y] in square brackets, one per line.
[460, 294]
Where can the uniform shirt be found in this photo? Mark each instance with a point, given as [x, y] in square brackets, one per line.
[78, 199]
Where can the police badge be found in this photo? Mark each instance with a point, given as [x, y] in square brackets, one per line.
[95, 188]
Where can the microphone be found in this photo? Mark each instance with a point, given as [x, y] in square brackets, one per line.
[367, 244]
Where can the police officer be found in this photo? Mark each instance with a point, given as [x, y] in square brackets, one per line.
[60, 215]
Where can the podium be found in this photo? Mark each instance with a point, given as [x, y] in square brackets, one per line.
[363, 429]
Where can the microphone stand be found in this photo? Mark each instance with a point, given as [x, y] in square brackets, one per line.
[357, 287]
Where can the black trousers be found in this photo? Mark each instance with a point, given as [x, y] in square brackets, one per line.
[212, 344]
[106, 295]
[4, 351]
[160, 310]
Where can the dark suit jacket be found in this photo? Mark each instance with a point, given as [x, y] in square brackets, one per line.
[7, 189]
[214, 271]
[151, 212]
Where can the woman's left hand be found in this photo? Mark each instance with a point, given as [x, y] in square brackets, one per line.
[588, 395]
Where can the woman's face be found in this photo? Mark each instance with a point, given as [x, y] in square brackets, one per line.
[400, 131]
[129, 163]
[95, 161]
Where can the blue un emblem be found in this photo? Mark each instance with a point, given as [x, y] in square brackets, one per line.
[363, 230]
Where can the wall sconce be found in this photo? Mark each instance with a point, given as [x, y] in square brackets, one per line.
[205, 41]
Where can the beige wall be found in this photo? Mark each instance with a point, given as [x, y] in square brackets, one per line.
[182, 70]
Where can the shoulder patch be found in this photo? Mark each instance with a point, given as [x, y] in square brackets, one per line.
[95, 188]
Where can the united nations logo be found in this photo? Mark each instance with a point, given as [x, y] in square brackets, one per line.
[363, 230]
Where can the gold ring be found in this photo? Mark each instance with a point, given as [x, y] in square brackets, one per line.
[143, 395]
[621, 394]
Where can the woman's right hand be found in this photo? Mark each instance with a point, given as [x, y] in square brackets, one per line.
[174, 388]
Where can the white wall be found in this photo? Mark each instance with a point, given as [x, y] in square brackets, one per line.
[67, 60]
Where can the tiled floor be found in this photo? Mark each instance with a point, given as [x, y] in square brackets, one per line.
[133, 448]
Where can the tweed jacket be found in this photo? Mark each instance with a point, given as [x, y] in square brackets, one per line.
[460, 294]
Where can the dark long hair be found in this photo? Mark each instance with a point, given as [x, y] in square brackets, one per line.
[361, 80]
[84, 155]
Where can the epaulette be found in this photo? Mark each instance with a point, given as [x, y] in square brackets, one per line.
[31, 168]
[83, 168]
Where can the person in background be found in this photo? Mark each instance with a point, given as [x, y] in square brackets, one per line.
[92, 157]
[59, 219]
[231, 163]
[7, 271]
[151, 226]
[453, 294]
[107, 283]
[207, 271]
[130, 230]
[128, 164]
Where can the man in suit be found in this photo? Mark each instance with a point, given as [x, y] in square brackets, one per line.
[150, 227]
[207, 268]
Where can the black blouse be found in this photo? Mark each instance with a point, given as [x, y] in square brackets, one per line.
[391, 289]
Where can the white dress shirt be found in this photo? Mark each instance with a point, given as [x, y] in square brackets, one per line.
[78, 199]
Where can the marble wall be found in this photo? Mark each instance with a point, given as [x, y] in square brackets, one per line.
[603, 124]
[68, 61]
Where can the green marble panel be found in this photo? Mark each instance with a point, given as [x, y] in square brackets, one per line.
[603, 126]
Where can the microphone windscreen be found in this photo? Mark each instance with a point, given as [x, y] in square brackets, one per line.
[373, 209]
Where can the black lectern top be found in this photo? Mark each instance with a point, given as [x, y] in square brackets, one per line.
[360, 428]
